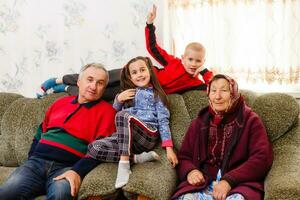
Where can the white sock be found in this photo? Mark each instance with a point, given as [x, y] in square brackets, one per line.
[146, 157]
[123, 173]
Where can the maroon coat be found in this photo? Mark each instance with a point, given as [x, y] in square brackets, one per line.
[247, 159]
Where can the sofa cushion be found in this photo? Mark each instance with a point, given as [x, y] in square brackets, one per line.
[278, 111]
[5, 172]
[194, 101]
[279, 184]
[35, 108]
[18, 126]
[283, 181]
[5, 100]
[179, 119]
[155, 180]
[104, 187]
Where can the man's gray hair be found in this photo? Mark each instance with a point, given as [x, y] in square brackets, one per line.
[95, 65]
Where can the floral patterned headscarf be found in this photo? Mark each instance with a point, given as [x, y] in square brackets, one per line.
[235, 97]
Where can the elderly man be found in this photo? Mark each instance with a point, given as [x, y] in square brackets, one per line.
[57, 160]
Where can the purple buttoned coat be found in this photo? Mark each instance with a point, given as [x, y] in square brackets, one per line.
[247, 160]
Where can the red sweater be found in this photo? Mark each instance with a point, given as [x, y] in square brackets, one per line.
[84, 121]
[67, 130]
[247, 160]
[173, 77]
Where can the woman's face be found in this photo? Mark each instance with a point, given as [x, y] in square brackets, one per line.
[219, 95]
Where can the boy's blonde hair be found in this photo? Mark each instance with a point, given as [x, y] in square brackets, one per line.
[196, 46]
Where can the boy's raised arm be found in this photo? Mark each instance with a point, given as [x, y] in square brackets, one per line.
[152, 15]
[159, 54]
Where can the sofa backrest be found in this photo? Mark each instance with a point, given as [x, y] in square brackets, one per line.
[5, 100]
[18, 126]
[21, 116]
[279, 112]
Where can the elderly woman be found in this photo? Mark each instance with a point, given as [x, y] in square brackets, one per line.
[227, 142]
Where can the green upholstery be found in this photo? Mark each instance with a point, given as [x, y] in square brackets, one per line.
[157, 180]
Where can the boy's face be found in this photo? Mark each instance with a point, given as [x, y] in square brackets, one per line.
[192, 60]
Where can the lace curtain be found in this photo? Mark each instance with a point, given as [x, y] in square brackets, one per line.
[255, 41]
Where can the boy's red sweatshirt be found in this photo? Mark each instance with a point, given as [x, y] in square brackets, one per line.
[173, 77]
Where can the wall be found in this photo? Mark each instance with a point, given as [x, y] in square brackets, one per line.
[43, 39]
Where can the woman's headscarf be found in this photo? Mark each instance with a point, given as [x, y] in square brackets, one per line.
[235, 98]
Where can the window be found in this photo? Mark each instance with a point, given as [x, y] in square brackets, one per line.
[255, 41]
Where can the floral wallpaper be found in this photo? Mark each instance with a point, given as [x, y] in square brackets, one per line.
[49, 38]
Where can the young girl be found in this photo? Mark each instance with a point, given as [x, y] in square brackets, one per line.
[143, 117]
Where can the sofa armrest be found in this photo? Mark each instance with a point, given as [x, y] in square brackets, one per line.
[279, 113]
[283, 179]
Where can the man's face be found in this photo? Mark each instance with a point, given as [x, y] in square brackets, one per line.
[192, 60]
[91, 84]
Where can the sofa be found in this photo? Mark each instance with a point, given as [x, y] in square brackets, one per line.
[20, 116]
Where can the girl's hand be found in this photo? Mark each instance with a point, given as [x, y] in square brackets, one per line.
[126, 95]
[220, 190]
[195, 177]
[152, 15]
[171, 156]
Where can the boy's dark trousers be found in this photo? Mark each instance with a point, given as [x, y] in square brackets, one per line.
[112, 88]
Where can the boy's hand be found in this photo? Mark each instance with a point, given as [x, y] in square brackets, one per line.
[152, 15]
[171, 156]
[195, 177]
[126, 95]
[198, 70]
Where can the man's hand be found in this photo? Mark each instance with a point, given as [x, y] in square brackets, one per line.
[220, 190]
[195, 177]
[74, 180]
[152, 15]
[171, 156]
[126, 95]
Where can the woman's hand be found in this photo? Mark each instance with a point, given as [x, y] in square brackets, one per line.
[171, 156]
[220, 190]
[126, 95]
[195, 177]
[152, 15]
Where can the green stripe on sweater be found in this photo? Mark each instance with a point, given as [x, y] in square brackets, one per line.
[38, 133]
[66, 139]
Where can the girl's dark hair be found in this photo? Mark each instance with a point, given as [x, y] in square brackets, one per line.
[126, 83]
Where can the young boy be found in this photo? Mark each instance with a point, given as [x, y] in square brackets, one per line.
[178, 75]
